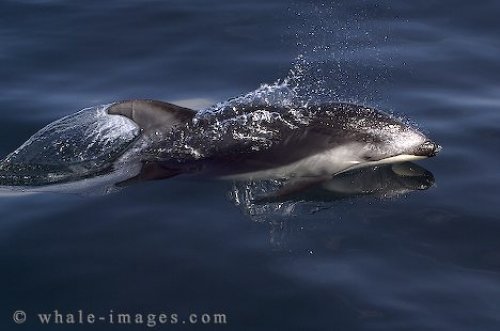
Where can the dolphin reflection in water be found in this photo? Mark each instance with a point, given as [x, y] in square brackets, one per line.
[319, 151]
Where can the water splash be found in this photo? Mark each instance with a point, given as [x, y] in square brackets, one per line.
[80, 144]
[252, 121]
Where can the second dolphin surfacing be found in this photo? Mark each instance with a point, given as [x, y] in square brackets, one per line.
[238, 141]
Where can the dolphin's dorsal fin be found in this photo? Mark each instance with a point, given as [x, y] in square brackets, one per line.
[152, 114]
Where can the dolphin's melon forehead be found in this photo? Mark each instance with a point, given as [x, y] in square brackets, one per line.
[369, 120]
[382, 131]
[359, 115]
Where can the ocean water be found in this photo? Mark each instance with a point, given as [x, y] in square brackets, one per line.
[421, 259]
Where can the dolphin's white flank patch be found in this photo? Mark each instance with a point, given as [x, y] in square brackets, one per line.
[331, 162]
[393, 159]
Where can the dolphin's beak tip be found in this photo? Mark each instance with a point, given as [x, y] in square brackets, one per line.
[428, 149]
[434, 148]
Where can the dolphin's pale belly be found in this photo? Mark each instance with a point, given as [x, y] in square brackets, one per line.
[328, 163]
[390, 160]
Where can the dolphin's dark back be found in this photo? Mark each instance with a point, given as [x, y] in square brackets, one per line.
[289, 140]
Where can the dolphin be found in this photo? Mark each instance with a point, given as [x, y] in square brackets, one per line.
[333, 138]
[304, 143]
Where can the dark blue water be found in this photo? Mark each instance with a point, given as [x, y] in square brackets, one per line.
[427, 259]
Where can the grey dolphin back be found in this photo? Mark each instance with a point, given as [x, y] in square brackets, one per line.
[152, 115]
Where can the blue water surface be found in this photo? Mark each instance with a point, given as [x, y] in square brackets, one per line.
[426, 260]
